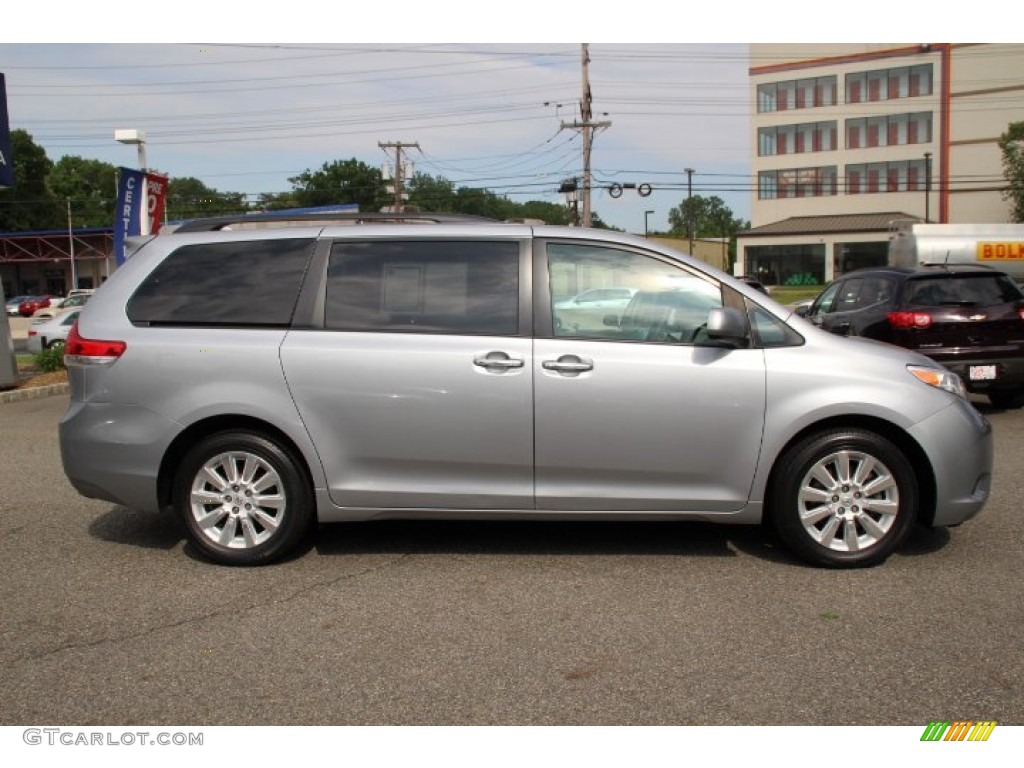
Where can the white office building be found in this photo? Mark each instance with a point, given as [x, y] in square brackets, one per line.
[847, 139]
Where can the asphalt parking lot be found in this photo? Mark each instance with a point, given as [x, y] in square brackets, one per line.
[109, 618]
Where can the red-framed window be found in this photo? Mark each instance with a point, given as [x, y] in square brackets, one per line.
[893, 180]
[853, 136]
[912, 179]
[872, 135]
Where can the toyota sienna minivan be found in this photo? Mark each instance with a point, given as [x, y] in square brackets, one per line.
[257, 375]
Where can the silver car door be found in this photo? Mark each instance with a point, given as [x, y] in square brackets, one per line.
[417, 390]
[641, 414]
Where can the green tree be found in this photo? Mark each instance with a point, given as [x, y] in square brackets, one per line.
[278, 201]
[341, 182]
[1011, 144]
[597, 223]
[711, 217]
[433, 194]
[482, 202]
[30, 204]
[189, 198]
[90, 186]
[551, 213]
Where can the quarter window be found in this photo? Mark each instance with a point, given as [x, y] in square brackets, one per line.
[453, 287]
[249, 283]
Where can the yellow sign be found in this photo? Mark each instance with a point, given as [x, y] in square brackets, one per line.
[1004, 251]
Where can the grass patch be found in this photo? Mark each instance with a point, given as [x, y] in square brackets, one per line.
[787, 294]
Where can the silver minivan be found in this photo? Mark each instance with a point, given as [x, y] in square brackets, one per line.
[258, 378]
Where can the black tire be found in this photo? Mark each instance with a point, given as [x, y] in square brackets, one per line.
[844, 498]
[1007, 399]
[260, 503]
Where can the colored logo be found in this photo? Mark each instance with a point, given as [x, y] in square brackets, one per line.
[960, 730]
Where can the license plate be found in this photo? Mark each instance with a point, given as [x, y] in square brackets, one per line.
[982, 372]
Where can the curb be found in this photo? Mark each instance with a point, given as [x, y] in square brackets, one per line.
[34, 393]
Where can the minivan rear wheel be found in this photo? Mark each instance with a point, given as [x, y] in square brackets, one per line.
[243, 497]
[844, 498]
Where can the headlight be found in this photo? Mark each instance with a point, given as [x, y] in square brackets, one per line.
[941, 378]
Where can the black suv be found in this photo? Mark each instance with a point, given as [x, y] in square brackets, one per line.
[968, 318]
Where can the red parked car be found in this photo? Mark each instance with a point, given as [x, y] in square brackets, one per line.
[28, 308]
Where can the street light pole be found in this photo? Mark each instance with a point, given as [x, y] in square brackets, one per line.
[689, 206]
[646, 214]
[132, 136]
[71, 244]
[927, 186]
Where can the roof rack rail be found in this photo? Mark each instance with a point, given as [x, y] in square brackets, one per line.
[284, 219]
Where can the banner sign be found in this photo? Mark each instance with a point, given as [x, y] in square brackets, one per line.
[6, 158]
[156, 186]
[126, 215]
[128, 219]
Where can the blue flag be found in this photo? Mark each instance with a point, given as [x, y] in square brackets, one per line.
[6, 159]
[127, 220]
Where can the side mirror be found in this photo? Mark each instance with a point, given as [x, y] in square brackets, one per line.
[611, 321]
[803, 310]
[727, 325]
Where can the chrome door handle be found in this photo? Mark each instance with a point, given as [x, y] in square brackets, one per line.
[497, 361]
[568, 364]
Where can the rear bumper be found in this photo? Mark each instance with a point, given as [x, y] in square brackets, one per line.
[958, 443]
[113, 452]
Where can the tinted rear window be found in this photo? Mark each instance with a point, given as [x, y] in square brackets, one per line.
[960, 290]
[254, 282]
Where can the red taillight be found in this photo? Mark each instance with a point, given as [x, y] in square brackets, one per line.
[33, 333]
[1021, 313]
[82, 351]
[910, 319]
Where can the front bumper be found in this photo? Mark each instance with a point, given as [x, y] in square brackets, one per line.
[958, 442]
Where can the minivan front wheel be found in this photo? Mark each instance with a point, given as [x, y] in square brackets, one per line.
[844, 498]
[243, 498]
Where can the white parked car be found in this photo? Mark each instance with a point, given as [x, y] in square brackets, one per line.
[46, 332]
[76, 300]
[589, 309]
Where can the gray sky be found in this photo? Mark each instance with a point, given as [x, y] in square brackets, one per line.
[246, 114]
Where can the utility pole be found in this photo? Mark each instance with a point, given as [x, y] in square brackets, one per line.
[585, 125]
[399, 170]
